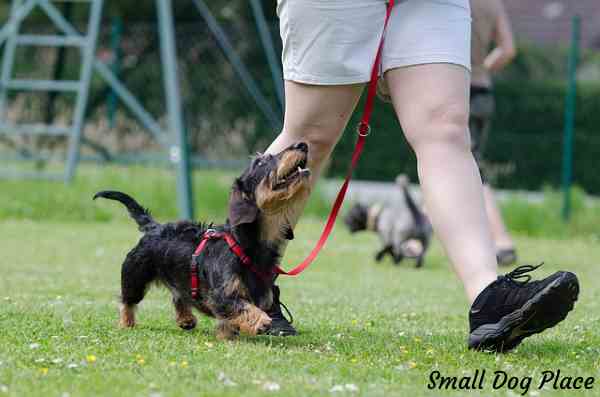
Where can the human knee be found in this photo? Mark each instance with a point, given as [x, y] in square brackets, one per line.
[445, 125]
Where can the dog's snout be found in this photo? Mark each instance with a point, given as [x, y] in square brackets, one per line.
[301, 146]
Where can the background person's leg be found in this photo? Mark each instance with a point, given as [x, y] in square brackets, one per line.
[502, 239]
[431, 102]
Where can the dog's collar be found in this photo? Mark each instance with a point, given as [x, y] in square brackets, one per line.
[373, 216]
[212, 234]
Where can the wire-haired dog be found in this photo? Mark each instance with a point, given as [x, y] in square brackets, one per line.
[237, 294]
[397, 225]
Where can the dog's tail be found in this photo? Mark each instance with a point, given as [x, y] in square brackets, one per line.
[415, 211]
[140, 214]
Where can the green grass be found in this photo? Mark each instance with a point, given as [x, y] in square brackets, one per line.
[153, 187]
[379, 327]
[544, 219]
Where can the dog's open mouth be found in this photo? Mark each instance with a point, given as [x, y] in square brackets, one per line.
[289, 174]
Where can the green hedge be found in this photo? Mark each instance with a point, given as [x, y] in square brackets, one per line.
[525, 142]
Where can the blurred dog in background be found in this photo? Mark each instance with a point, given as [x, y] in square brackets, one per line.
[402, 226]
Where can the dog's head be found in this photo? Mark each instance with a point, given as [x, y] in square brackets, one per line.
[269, 189]
[356, 220]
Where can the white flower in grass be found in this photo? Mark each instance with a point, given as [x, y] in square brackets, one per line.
[225, 380]
[57, 360]
[271, 386]
[40, 360]
[351, 387]
[72, 366]
[33, 346]
[3, 389]
[336, 389]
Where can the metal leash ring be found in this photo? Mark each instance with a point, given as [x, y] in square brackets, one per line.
[363, 129]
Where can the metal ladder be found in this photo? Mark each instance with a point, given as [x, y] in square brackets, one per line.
[85, 43]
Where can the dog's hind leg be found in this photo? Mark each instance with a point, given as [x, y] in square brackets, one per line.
[421, 257]
[183, 314]
[385, 250]
[398, 255]
[136, 276]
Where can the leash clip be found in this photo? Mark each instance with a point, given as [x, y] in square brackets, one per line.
[363, 129]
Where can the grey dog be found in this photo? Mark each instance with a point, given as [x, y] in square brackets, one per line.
[397, 224]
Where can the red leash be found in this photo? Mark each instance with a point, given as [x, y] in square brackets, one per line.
[363, 130]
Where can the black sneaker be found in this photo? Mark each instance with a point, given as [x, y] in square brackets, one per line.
[280, 325]
[508, 311]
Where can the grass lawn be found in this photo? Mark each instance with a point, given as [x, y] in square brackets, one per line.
[366, 329]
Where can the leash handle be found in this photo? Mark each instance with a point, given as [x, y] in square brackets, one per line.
[363, 130]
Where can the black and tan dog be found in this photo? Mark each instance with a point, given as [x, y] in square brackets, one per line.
[261, 203]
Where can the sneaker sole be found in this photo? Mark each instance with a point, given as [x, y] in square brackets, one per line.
[544, 310]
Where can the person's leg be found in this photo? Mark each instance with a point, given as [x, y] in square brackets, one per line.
[431, 102]
[502, 239]
[316, 115]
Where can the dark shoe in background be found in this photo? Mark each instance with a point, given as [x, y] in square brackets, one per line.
[506, 257]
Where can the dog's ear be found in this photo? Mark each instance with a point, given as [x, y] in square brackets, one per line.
[241, 208]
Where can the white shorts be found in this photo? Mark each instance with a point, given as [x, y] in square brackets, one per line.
[334, 42]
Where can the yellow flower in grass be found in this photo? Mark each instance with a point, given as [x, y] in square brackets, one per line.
[44, 371]
[412, 364]
[90, 358]
[184, 364]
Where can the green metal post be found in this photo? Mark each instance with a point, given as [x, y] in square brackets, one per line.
[267, 42]
[179, 152]
[567, 164]
[112, 101]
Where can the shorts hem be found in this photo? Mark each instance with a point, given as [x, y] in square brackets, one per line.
[388, 64]
[305, 78]
[395, 63]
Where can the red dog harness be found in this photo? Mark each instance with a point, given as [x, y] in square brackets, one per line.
[212, 234]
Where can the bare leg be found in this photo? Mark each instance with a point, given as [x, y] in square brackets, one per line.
[431, 102]
[501, 237]
[317, 115]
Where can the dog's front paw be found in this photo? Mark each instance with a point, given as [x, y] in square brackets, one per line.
[264, 324]
[252, 321]
[127, 316]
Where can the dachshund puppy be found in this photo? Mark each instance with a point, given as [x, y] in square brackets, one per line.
[400, 226]
[234, 270]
